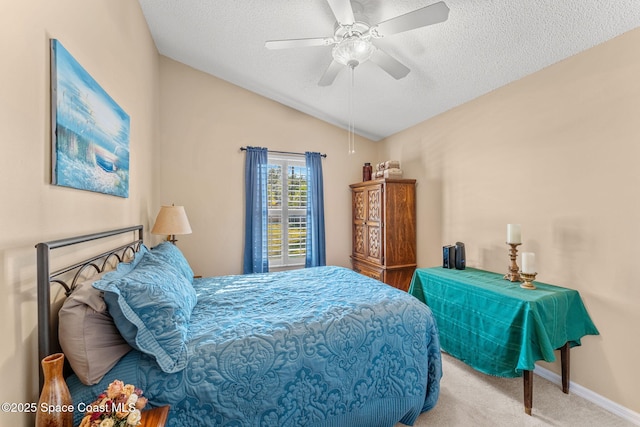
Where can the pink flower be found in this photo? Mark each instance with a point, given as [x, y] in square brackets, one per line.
[115, 389]
[141, 402]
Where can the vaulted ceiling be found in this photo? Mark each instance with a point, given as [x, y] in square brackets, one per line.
[482, 46]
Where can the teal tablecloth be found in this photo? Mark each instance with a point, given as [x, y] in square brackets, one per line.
[494, 325]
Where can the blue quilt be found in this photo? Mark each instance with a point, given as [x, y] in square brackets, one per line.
[319, 346]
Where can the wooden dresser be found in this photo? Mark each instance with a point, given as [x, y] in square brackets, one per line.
[384, 230]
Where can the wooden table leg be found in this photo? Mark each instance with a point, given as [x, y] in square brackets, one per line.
[564, 360]
[528, 391]
[528, 379]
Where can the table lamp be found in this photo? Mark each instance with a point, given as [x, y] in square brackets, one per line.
[171, 220]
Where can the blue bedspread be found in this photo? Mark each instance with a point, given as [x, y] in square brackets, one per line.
[313, 347]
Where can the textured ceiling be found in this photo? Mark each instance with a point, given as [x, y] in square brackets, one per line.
[482, 46]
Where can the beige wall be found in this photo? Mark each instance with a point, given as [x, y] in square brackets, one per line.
[557, 152]
[112, 42]
[203, 123]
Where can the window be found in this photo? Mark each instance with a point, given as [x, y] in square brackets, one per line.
[287, 206]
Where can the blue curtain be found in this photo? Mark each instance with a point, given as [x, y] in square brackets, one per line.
[255, 238]
[316, 249]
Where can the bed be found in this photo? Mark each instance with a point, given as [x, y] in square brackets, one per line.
[320, 346]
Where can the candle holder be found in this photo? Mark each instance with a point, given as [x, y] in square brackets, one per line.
[527, 279]
[513, 275]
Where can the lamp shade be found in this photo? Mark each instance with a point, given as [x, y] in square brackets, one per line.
[171, 220]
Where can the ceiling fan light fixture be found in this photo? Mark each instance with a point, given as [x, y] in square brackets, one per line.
[353, 50]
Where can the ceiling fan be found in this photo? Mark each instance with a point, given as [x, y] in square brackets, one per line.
[353, 39]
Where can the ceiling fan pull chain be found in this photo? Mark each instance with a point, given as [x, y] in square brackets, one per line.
[352, 127]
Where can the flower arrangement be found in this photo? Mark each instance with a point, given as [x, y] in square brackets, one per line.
[118, 406]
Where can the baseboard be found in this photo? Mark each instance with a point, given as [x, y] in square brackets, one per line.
[585, 393]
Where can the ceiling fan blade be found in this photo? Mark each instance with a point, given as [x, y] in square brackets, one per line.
[428, 15]
[343, 11]
[285, 44]
[395, 68]
[330, 74]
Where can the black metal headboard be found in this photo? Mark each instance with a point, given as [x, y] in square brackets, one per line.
[46, 278]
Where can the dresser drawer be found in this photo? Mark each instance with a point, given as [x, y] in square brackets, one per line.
[368, 271]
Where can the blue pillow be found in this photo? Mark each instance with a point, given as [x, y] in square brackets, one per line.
[126, 267]
[151, 306]
[169, 253]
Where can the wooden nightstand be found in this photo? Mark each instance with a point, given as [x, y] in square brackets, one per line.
[155, 417]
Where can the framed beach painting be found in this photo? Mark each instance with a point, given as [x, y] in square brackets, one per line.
[90, 132]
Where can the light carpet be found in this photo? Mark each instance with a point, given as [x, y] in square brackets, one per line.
[470, 398]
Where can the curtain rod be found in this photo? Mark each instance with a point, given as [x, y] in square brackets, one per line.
[283, 152]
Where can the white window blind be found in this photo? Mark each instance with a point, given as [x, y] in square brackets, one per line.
[287, 205]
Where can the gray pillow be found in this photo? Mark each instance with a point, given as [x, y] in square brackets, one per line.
[88, 337]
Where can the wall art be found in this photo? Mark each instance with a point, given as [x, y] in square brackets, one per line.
[90, 132]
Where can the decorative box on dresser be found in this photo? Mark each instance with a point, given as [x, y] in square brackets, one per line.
[384, 230]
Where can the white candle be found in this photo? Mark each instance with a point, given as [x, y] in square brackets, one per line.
[528, 262]
[513, 233]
